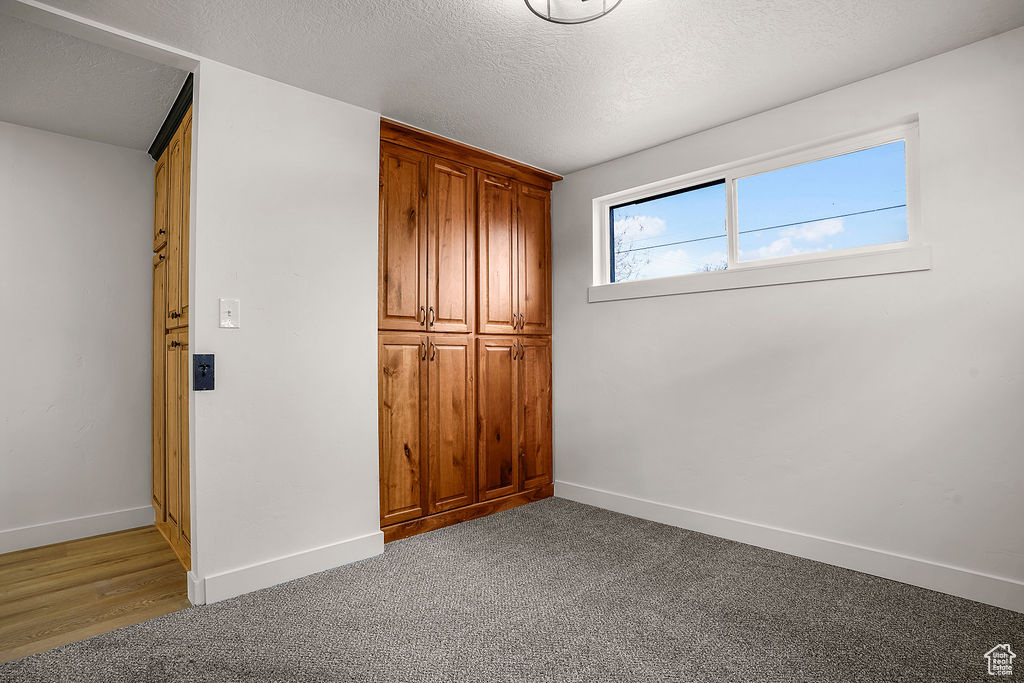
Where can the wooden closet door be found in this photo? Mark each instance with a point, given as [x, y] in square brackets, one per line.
[403, 426]
[496, 233]
[452, 417]
[497, 416]
[533, 389]
[160, 202]
[172, 430]
[402, 267]
[159, 445]
[533, 222]
[451, 250]
[185, 212]
[184, 487]
[175, 160]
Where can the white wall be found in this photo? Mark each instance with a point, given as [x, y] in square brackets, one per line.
[75, 301]
[284, 457]
[873, 414]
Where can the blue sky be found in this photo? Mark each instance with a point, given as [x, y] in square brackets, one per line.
[806, 202]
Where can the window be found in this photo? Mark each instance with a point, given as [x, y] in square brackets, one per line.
[670, 234]
[846, 199]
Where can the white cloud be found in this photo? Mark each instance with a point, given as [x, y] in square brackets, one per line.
[633, 228]
[678, 262]
[814, 232]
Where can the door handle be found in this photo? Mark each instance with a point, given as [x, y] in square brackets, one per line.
[422, 317]
[432, 316]
[433, 350]
[522, 322]
[423, 345]
[515, 321]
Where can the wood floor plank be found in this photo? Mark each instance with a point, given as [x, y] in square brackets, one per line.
[65, 592]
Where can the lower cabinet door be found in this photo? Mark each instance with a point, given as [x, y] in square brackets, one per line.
[172, 428]
[185, 495]
[533, 387]
[159, 315]
[402, 377]
[497, 416]
[451, 416]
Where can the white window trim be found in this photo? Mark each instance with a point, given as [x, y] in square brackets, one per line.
[899, 257]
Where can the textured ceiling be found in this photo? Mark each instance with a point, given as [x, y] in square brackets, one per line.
[490, 73]
[63, 84]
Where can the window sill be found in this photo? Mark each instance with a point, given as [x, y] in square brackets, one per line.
[900, 260]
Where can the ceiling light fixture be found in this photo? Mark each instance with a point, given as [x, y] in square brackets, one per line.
[571, 11]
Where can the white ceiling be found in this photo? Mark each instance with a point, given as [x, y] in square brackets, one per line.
[490, 73]
[53, 81]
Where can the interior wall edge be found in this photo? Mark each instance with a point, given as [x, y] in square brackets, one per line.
[958, 581]
[72, 529]
[234, 582]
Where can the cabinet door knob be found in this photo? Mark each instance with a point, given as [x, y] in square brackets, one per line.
[161, 232]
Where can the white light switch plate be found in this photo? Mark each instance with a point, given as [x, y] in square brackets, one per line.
[230, 313]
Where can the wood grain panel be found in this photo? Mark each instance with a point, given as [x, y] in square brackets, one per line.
[497, 415]
[452, 418]
[185, 217]
[175, 161]
[403, 425]
[533, 223]
[160, 202]
[451, 255]
[158, 443]
[533, 391]
[402, 266]
[496, 232]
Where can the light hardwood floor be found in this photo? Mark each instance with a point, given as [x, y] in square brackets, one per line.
[62, 593]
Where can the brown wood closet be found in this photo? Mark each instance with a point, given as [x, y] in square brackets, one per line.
[171, 495]
[464, 328]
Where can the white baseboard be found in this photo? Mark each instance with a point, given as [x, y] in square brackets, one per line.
[77, 527]
[224, 585]
[965, 583]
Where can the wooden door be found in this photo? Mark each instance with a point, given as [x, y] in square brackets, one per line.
[533, 391]
[451, 415]
[175, 160]
[451, 248]
[497, 451]
[533, 223]
[403, 426]
[159, 448]
[185, 215]
[172, 430]
[496, 234]
[402, 267]
[160, 202]
[182, 436]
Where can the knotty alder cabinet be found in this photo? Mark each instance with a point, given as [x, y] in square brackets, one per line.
[171, 360]
[465, 416]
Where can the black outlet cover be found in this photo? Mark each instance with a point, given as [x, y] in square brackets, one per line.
[202, 372]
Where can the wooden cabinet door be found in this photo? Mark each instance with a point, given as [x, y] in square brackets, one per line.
[182, 436]
[452, 422]
[403, 426]
[496, 235]
[175, 160]
[160, 202]
[172, 430]
[497, 416]
[159, 448]
[184, 217]
[533, 390]
[402, 266]
[451, 248]
[533, 223]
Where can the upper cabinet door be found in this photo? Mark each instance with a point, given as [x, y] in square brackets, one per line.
[186, 211]
[403, 426]
[533, 218]
[451, 248]
[160, 203]
[402, 269]
[452, 417]
[175, 161]
[497, 249]
[533, 387]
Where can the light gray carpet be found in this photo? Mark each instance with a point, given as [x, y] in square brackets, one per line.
[557, 591]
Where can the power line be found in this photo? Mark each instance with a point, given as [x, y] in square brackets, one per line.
[770, 227]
